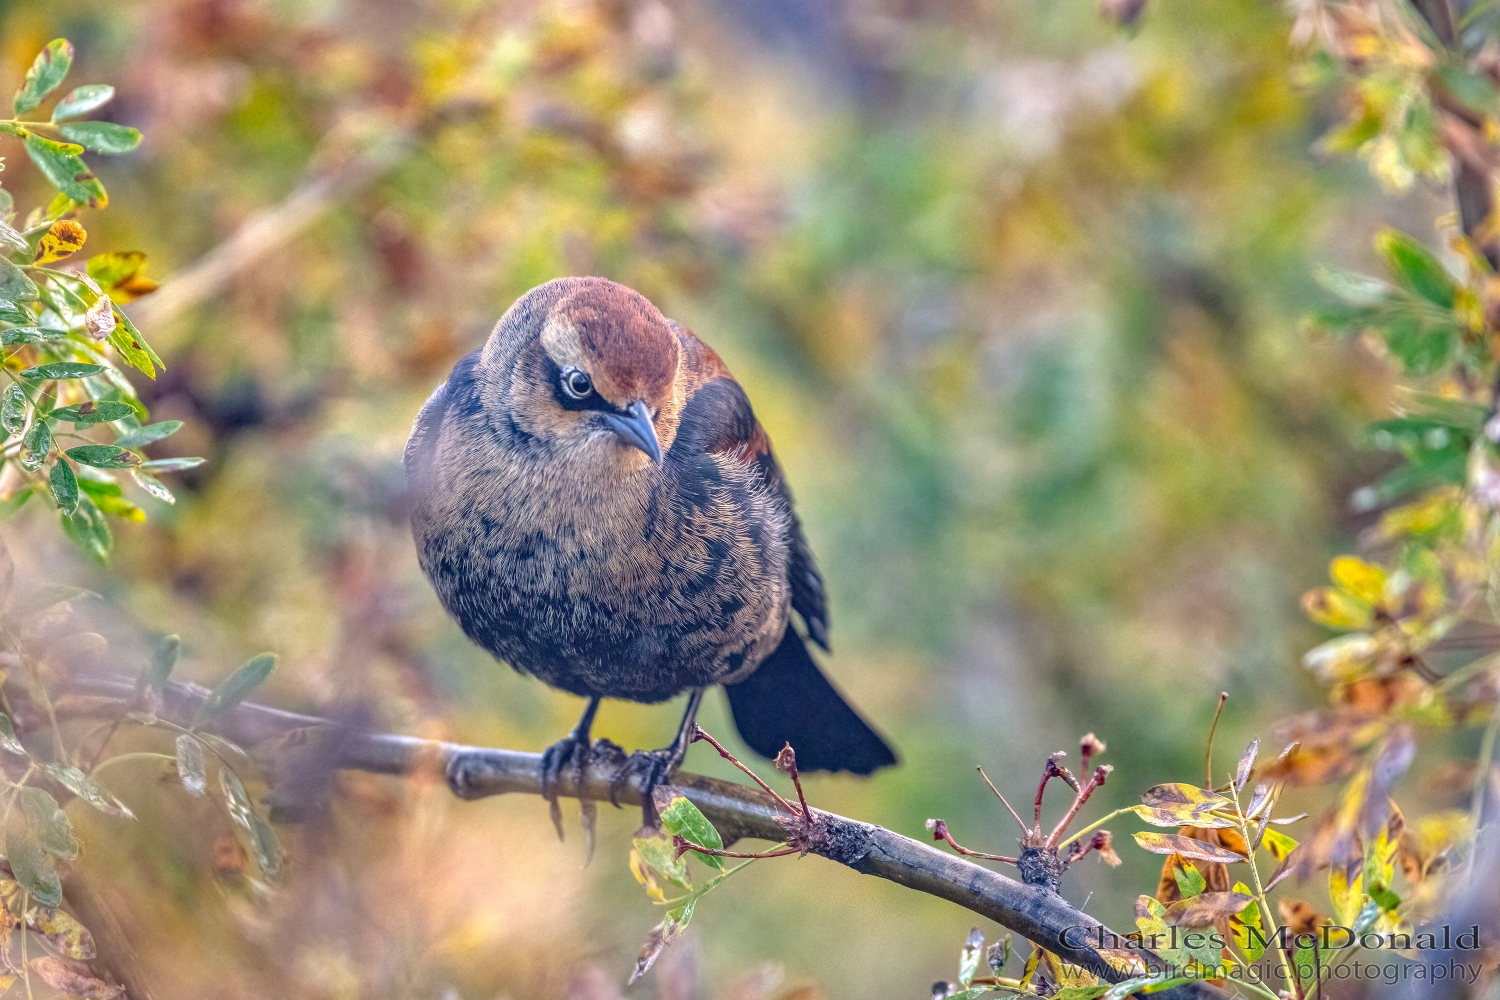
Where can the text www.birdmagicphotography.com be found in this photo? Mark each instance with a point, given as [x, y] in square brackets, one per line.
[1316, 953]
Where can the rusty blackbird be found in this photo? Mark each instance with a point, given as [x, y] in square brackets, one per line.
[595, 502]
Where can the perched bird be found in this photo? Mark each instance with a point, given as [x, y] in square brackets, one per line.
[596, 504]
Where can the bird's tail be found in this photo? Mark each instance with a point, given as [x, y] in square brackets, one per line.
[788, 700]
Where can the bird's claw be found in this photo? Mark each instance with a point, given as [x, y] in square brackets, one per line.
[570, 750]
[655, 768]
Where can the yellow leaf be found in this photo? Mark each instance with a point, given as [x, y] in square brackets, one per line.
[1364, 581]
[643, 875]
[1336, 608]
[1348, 896]
[1440, 831]
[1181, 804]
[1278, 843]
[1344, 658]
[63, 239]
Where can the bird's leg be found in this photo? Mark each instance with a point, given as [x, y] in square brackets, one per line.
[572, 748]
[656, 767]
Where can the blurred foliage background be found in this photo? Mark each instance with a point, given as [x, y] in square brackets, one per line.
[1015, 291]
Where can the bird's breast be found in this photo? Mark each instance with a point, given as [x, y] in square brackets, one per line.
[635, 586]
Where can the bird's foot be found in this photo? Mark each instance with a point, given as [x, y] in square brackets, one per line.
[654, 768]
[574, 754]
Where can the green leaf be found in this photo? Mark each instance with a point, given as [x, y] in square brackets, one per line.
[36, 444]
[682, 818]
[235, 688]
[15, 335]
[263, 843]
[46, 73]
[1472, 89]
[1355, 289]
[104, 456]
[1416, 267]
[13, 409]
[171, 464]
[141, 436]
[66, 172]
[94, 412]
[56, 148]
[48, 823]
[1189, 882]
[80, 785]
[61, 370]
[64, 487]
[8, 741]
[190, 764]
[14, 285]
[102, 137]
[658, 854]
[152, 485]
[1422, 346]
[30, 864]
[83, 100]
[88, 529]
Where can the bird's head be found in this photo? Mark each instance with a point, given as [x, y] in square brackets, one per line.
[600, 374]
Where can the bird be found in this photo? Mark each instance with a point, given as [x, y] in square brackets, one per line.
[594, 501]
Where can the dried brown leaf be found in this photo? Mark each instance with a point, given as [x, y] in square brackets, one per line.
[56, 974]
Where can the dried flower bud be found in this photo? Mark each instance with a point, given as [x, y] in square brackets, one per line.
[1104, 843]
[786, 760]
[998, 954]
[938, 828]
[1090, 745]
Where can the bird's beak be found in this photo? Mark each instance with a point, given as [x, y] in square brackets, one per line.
[635, 428]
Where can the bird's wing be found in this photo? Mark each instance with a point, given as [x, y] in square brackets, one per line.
[717, 418]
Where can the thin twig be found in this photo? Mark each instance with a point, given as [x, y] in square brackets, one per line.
[1100, 773]
[1208, 756]
[939, 830]
[683, 845]
[700, 734]
[1017, 816]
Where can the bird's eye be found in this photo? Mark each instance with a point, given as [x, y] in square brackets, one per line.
[576, 384]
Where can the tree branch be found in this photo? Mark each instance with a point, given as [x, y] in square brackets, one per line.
[1473, 184]
[737, 811]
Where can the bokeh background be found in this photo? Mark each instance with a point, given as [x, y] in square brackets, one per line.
[1015, 290]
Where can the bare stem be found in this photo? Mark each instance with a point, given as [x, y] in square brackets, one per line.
[700, 734]
[1017, 816]
[1100, 773]
[1208, 756]
[684, 845]
[939, 830]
